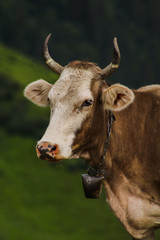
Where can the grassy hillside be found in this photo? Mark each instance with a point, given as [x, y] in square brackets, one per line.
[17, 114]
[22, 69]
[39, 200]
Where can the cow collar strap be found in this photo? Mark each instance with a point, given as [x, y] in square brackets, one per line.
[93, 181]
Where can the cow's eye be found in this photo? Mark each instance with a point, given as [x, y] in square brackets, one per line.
[87, 103]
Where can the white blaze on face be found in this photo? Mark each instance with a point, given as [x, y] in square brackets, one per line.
[66, 97]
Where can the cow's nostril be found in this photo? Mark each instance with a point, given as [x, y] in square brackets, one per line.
[54, 148]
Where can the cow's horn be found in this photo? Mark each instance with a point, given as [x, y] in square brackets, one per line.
[112, 67]
[56, 67]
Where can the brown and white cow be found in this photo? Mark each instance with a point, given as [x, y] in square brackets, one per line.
[80, 102]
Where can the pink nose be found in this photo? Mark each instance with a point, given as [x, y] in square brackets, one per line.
[47, 151]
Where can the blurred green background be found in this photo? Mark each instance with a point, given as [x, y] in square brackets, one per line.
[45, 201]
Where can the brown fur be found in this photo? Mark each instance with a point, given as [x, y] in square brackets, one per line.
[92, 135]
[85, 65]
[135, 143]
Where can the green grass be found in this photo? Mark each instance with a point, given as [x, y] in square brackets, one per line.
[21, 69]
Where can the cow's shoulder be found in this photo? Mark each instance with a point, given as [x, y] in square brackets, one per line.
[154, 89]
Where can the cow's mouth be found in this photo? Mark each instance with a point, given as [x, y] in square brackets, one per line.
[50, 159]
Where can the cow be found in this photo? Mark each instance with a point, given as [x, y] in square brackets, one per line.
[80, 103]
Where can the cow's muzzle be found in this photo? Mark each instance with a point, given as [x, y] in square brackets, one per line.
[48, 151]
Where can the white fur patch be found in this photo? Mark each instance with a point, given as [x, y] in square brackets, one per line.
[66, 97]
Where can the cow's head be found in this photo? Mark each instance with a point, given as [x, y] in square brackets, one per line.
[79, 103]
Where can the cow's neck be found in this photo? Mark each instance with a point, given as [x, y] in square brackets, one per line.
[97, 166]
[95, 150]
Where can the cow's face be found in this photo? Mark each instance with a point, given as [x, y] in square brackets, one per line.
[78, 102]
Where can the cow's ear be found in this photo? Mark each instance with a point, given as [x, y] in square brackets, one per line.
[37, 92]
[117, 97]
